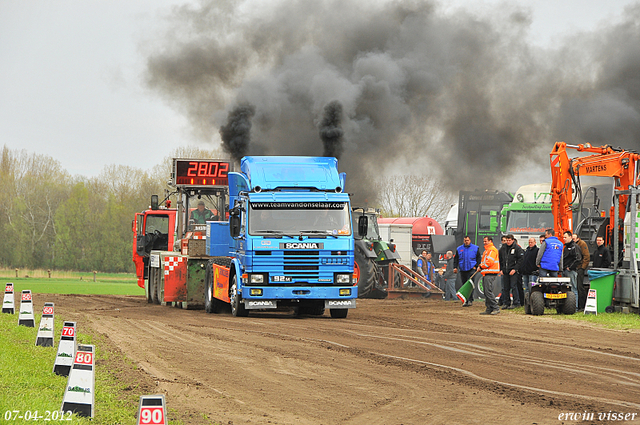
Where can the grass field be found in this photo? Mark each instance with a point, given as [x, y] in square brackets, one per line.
[64, 274]
[617, 321]
[27, 382]
[122, 286]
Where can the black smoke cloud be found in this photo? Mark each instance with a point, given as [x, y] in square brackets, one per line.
[236, 133]
[331, 129]
[464, 96]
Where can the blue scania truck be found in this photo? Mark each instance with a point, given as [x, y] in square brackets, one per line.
[289, 241]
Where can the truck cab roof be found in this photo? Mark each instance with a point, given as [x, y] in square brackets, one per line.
[273, 172]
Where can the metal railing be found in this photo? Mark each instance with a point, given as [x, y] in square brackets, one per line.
[412, 276]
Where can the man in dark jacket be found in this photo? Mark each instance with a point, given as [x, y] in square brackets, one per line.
[504, 292]
[571, 259]
[586, 257]
[602, 255]
[449, 277]
[528, 269]
[510, 262]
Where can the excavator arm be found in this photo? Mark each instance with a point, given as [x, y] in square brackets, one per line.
[605, 161]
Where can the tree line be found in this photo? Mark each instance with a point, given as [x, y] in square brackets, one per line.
[50, 219]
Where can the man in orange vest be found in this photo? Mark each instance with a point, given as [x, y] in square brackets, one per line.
[489, 267]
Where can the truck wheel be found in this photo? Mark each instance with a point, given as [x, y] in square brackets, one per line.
[147, 287]
[159, 290]
[208, 292]
[153, 290]
[527, 303]
[237, 306]
[569, 306]
[536, 300]
[339, 313]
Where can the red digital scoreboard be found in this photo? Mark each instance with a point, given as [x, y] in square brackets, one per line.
[201, 172]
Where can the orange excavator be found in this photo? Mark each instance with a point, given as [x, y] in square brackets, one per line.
[605, 161]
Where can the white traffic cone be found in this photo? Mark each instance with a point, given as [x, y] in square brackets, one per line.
[45, 330]
[25, 318]
[152, 410]
[8, 304]
[79, 396]
[66, 349]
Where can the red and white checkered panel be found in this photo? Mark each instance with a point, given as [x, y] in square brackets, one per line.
[171, 263]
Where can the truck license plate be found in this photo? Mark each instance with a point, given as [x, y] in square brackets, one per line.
[555, 296]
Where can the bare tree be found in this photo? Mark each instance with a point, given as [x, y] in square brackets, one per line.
[414, 196]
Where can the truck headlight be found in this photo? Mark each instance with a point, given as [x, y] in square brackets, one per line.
[343, 279]
[257, 278]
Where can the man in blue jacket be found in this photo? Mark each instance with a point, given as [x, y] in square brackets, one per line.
[549, 258]
[466, 261]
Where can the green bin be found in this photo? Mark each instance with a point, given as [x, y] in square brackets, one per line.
[602, 280]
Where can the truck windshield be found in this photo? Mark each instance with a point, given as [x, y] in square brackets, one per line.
[529, 221]
[372, 228]
[293, 218]
[158, 223]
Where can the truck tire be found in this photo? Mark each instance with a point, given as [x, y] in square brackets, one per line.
[536, 300]
[147, 288]
[153, 290]
[160, 291]
[569, 306]
[237, 306]
[339, 313]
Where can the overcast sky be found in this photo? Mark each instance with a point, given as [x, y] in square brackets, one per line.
[71, 75]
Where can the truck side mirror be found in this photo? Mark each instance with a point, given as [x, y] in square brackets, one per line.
[154, 202]
[363, 225]
[234, 226]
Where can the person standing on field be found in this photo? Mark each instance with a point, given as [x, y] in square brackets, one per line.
[449, 277]
[602, 255]
[528, 268]
[466, 261]
[489, 267]
[510, 261]
[586, 257]
[571, 259]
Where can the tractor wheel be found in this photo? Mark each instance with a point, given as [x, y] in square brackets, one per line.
[368, 275]
[527, 303]
[237, 306]
[339, 313]
[536, 299]
[569, 306]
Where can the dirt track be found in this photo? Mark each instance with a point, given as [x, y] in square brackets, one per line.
[389, 362]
